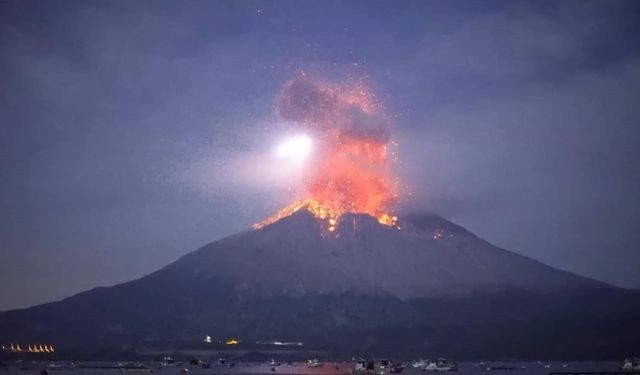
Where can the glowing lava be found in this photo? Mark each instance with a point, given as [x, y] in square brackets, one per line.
[349, 170]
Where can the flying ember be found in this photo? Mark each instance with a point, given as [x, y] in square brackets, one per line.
[349, 170]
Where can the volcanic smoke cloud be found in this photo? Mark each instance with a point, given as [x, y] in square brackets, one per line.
[349, 113]
[350, 168]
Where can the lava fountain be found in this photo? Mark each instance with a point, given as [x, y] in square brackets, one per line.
[350, 169]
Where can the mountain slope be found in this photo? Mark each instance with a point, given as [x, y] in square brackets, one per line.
[428, 257]
[364, 288]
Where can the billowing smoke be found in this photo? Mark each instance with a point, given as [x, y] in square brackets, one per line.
[345, 113]
[349, 171]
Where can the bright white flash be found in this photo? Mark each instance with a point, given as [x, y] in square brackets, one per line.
[295, 148]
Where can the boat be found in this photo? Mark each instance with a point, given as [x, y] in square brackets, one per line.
[364, 366]
[168, 362]
[314, 363]
[441, 365]
[396, 368]
[420, 363]
[631, 364]
[133, 367]
[502, 368]
[274, 363]
[56, 366]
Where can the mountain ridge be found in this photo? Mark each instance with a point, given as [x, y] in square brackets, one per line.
[364, 288]
[434, 251]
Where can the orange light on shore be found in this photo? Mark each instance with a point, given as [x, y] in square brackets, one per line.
[31, 348]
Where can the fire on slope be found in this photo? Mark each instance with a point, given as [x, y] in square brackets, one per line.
[349, 171]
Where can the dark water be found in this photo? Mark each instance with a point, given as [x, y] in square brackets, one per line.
[330, 368]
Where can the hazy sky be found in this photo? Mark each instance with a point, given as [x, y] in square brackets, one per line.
[132, 132]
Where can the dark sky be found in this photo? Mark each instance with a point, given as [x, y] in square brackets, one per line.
[132, 132]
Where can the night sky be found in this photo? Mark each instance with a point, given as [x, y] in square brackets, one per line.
[132, 132]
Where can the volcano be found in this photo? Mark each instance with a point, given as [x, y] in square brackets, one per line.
[424, 286]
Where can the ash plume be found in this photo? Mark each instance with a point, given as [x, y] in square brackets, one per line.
[348, 113]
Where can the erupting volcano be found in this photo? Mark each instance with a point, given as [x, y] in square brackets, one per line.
[332, 271]
[350, 171]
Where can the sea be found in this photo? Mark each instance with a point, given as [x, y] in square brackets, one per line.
[328, 368]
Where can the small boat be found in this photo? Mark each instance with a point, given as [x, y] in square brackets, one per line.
[631, 364]
[274, 363]
[364, 366]
[314, 363]
[56, 366]
[396, 368]
[133, 367]
[168, 362]
[502, 368]
[441, 365]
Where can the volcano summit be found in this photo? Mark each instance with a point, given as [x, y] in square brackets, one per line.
[425, 287]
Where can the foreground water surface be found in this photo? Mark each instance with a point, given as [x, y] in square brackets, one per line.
[328, 368]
